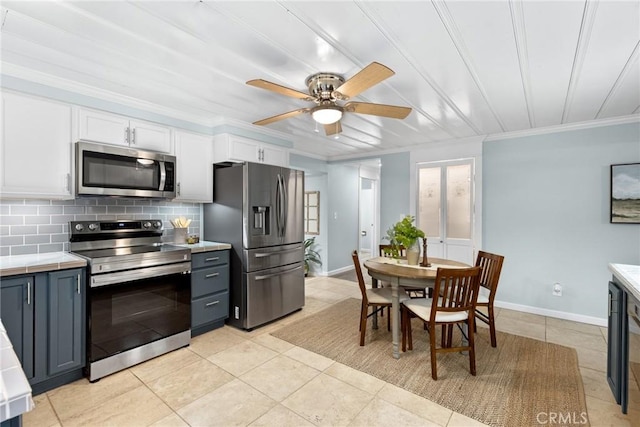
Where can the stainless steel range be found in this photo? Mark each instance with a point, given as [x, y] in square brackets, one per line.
[139, 297]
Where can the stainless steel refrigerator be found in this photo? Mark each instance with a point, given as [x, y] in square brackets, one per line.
[259, 210]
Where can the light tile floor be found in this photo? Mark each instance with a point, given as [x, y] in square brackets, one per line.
[230, 377]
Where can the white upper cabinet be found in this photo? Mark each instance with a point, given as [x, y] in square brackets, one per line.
[98, 126]
[233, 148]
[36, 148]
[194, 157]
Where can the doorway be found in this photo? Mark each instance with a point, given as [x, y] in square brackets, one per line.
[367, 217]
[446, 208]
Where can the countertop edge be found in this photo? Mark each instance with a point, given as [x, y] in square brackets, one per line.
[36, 263]
[205, 246]
[630, 281]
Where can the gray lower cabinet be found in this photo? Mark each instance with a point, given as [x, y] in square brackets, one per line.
[615, 339]
[17, 309]
[44, 315]
[209, 290]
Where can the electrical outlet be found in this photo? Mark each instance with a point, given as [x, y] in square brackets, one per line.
[557, 290]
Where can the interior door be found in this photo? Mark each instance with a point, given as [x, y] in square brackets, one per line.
[446, 208]
[367, 212]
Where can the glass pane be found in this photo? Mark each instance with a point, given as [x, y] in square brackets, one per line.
[429, 201]
[459, 202]
[313, 227]
[313, 199]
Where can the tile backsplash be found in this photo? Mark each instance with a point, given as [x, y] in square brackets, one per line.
[39, 226]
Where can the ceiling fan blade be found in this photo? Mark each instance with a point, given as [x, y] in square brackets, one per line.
[282, 116]
[369, 76]
[391, 111]
[333, 128]
[282, 90]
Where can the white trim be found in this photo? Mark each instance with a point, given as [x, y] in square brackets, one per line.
[59, 83]
[339, 271]
[552, 313]
[632, 118]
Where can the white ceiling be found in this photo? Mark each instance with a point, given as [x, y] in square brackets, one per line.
[465, 68]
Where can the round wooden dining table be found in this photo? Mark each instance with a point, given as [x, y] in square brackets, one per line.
[400, 275]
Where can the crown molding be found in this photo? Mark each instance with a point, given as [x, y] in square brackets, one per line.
[29, 76]
[633, 118]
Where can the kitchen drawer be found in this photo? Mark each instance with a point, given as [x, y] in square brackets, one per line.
[207, 259]
[210, 308]
[209, 280]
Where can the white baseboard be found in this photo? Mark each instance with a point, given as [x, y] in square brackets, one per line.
[552, 313]
[340, 270]
[511, 306]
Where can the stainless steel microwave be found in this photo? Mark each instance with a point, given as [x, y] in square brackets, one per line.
[105, 170]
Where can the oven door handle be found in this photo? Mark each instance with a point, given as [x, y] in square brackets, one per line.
[142, 273]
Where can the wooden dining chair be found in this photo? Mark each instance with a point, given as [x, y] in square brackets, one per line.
[384, 252]
[491, 267]
[458, 288]
[377, 298]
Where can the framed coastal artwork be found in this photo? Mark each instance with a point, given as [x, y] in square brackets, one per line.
[625, 193]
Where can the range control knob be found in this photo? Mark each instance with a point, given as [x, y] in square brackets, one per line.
[157, 224]
[147, 224]
[93, 227]
[79, 227]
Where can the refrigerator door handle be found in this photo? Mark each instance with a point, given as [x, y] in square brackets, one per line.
[280, 206]
[266, 254]
[285, 207]
[268, 276]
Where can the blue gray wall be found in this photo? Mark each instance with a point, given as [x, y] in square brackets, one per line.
[343, 183]
[546, 209]
[394, 189]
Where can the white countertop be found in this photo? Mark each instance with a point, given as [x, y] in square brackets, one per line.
[15, 391]
[629, 276]
[205, 246]
[34, 263]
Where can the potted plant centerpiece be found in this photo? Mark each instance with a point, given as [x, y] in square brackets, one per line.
[404, 233]
[310, 255]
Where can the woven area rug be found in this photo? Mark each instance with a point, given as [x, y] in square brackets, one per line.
[515, 382]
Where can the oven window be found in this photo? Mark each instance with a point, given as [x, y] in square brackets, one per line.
[128, 315]
[112, 171]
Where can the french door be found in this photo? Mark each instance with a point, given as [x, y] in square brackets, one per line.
[446, 208]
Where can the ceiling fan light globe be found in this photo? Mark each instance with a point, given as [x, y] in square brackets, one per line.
[326, 115]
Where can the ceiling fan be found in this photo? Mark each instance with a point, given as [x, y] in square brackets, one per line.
[326, 89]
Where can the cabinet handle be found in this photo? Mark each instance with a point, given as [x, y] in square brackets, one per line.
[68, 177]
[78, 284]
[609, 305]
[126, 135]
[212, 275]
[133, 136]
[28, 293]
[209, 304]
[178, 188]
[212, 259]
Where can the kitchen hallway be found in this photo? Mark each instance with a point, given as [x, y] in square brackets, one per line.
[230, 377]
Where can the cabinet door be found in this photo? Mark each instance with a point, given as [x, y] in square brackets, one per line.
[65, 321]
[103, 127]
[194, 155]
[275, 156]
[150, 136]
[16, 306]
[241, 149]
[36, 148]
[616, 340]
